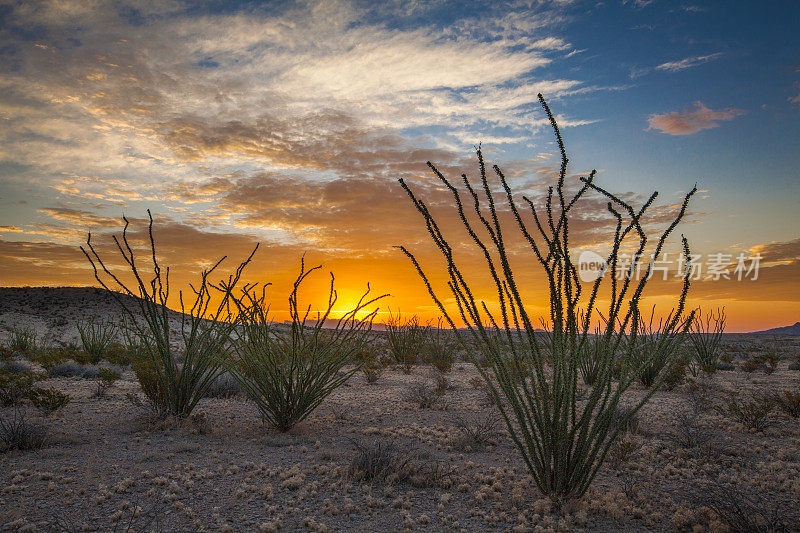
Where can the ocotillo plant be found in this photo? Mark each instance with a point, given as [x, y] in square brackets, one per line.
[562, 442]
[705, 334]
[183, 375]
[289, 373]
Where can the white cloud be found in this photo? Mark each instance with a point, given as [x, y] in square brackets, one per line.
[689, 62]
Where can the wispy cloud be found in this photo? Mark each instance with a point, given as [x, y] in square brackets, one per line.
[691, 120]
[689, 62]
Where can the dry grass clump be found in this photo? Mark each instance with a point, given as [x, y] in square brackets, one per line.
[746, 513]
[18, 433]
[387, 463]
[475, 431]
[424, 394]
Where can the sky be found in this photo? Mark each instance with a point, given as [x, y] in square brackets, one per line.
[289, 124]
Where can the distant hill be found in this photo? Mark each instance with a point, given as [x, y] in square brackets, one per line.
[794, 329]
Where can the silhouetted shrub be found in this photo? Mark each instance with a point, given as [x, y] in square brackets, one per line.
[289, 372]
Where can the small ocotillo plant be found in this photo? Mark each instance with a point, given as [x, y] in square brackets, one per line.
[288, 374]
[97, 337]
[656, 346]
[406, 340]
[705, 334]
[562, 443]
[182, 375]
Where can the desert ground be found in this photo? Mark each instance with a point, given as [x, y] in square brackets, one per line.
[106, 465]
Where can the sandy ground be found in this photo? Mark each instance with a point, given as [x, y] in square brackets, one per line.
[108, 467]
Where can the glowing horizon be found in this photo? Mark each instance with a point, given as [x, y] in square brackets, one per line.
[289, 124]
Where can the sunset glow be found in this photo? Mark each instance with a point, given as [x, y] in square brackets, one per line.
[289, 124]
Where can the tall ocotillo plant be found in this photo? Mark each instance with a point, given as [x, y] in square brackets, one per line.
[183, 375]
[562, 442]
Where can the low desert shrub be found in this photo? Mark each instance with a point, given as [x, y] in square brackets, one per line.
[475, 431]
[751, 413]
[98, 336]
[745, 513]
[788, 402]
[18, 433]
[22, 339]
[106, 380]
[705, 333]
[387, 463]
[156, 402]
[795, 365]
[622, 451]
[73, 369]
[424, 395]
[749, 365]
[769, 361]
[48, 401]
[289, 372]
[16, 367]
[562, 432]
[16, 388]
[5, 353]
[184, 375]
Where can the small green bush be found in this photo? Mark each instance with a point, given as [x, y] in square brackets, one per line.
[22, 339]
[106, 380]
[48, 401]
[15, 388]
[752, 413]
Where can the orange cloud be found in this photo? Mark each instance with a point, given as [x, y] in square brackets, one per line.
[691, 121]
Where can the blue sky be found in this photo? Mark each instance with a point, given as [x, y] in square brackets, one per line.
[289, 123]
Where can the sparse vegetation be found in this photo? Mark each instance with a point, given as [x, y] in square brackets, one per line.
[788, 402]
[705, 333]
[288, 373]
[98, 337]
[183, 375]
[406, 341]
[23, 340]
[751, 413]
[18, 433]
[562, 443]
[106, 380]
[424, 395]
[48, 401]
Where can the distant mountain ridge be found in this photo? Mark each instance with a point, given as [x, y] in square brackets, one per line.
[794, 329]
